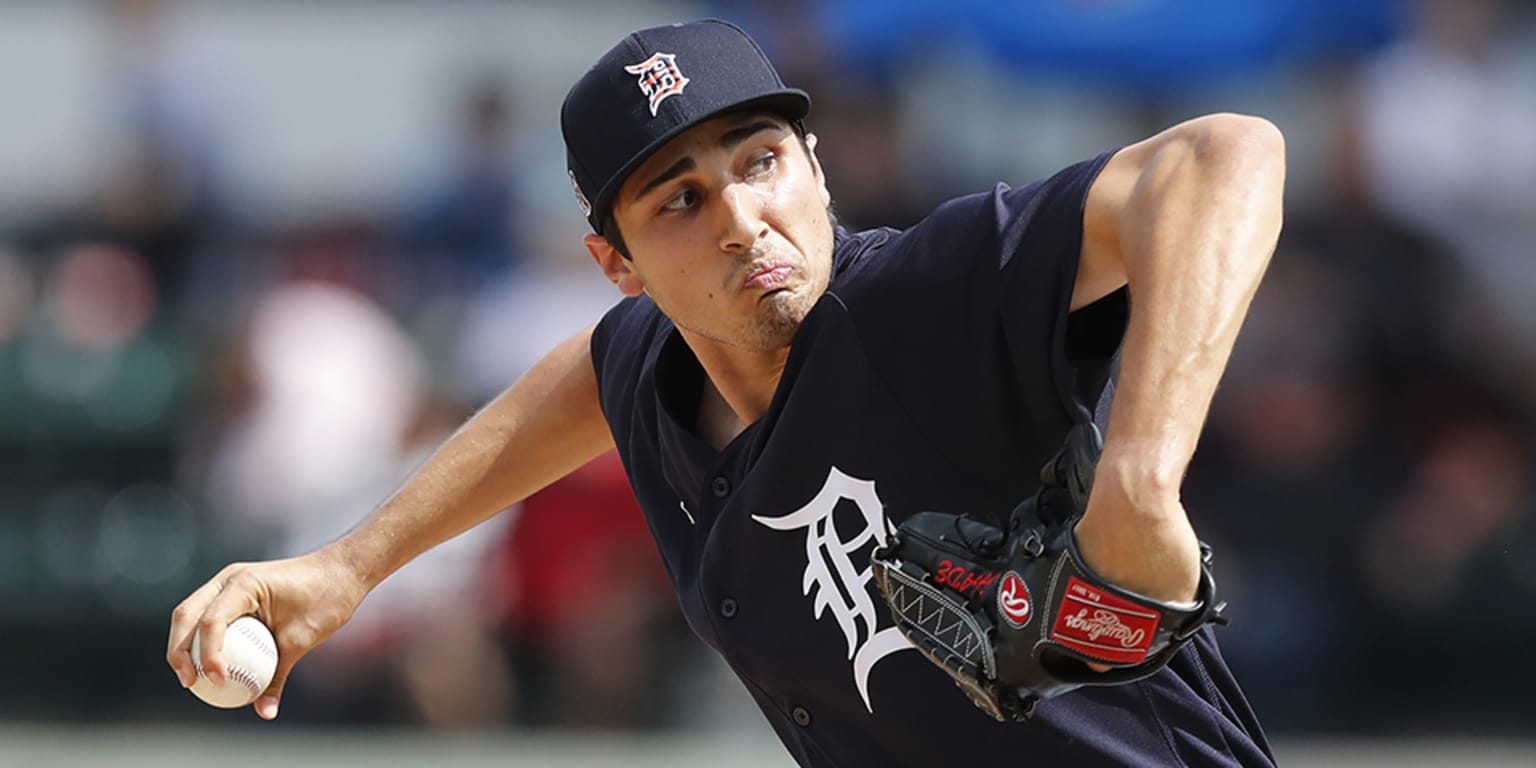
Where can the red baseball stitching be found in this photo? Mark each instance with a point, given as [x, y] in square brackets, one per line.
[241, 674]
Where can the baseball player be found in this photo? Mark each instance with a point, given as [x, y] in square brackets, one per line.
[837, 436]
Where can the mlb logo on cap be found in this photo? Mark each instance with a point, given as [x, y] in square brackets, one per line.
[636, 99]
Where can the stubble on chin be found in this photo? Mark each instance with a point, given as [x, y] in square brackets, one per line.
[781, 315]
[776, 327]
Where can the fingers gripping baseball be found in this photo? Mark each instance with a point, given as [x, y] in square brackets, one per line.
[303, 600]
[292, 645]
[205, 611]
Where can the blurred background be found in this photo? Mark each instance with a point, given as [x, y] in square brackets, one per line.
[258, 258]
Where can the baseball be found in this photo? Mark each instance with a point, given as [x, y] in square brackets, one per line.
[250, 656]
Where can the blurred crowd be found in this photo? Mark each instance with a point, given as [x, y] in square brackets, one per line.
[186, 381]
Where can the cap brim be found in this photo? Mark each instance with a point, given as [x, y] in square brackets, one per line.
[791, 103]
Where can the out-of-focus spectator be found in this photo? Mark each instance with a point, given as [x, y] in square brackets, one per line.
[90, 349]
[590, 622]
[158, 192]
[1441, 140]
[1446, 123]
[861, 153]
[334, 385]
[1468, 490]
[510, 322]
[338, 412]
[1446, 563]
[589, 615]
[462, 233]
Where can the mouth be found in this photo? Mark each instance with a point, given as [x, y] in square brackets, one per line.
[767, 276]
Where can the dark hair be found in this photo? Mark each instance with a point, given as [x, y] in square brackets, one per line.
[610, 225]
[610, 232]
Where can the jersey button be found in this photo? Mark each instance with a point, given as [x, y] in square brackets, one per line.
[721, 487]
[728, 608]
[801, 715]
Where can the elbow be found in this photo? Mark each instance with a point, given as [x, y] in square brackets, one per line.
[1255, 133]
[1252, 144]
[1241, 158]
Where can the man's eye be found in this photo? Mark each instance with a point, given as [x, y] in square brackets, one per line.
[762, 165]
[681, 201]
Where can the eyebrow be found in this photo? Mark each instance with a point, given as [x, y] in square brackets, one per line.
[729, 140]
[739, 134]
[677, 169]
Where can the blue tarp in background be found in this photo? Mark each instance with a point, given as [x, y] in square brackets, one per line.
[1143, 44]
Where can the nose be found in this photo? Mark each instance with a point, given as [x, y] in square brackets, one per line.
[741, 218]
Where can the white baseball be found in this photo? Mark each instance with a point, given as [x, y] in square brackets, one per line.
[250, 656]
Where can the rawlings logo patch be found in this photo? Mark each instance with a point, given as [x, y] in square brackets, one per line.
[1013, 601]
[1103, 626]
[659, 78]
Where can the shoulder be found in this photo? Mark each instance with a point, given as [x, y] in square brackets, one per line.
[976, 231]
[624, 338]
[954, 227]
[1058, 198]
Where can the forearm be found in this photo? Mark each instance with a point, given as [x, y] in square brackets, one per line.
[543, 427]
[1188, 219]
[1196, 235]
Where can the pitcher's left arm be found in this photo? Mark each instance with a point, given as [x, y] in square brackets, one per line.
[1188, 220]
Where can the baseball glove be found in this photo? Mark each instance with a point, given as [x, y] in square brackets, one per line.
[1015, 616]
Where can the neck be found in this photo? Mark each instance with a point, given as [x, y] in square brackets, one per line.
[739, 385]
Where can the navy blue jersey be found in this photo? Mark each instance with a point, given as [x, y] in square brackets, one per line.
[939, 372]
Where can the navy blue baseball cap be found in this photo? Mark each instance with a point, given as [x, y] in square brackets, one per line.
[652, 86]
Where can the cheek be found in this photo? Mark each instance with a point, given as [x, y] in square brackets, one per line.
[801, 215]
[683, 286]
[812, 230]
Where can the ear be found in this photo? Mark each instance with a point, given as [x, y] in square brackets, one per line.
[821, 178]
[615, 267]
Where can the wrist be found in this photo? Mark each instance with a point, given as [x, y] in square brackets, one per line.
[1158, 558]
[1141, 481]
[355, 561]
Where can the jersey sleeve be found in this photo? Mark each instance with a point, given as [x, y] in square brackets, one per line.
[620, 342]
[1039, 245]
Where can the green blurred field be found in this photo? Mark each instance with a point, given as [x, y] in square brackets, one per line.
[67, 747]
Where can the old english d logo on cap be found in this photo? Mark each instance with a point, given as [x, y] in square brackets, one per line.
[659, 78]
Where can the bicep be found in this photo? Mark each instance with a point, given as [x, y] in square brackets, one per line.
[571, 405]
[1124, 200]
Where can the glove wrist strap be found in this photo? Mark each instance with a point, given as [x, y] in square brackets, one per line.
[1092, 620]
